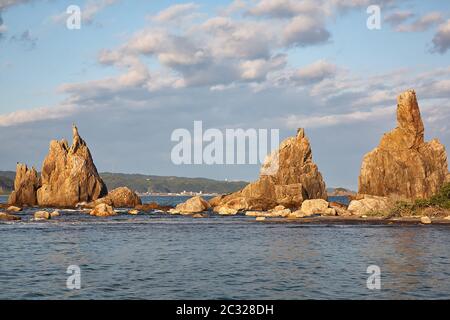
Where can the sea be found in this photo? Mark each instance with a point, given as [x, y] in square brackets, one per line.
[159, 256]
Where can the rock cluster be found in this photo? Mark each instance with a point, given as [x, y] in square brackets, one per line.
[122, 197]
[288, 177]
[68, 177]
[404, 164]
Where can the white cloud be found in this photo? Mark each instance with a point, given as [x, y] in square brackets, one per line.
[315, 72]
[421, 24]
[305, 31]
[88, 13]
[44, 113]
[175, 12]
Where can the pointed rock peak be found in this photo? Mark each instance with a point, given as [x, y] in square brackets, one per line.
[300, 133]
[77, 141]
[408, 113]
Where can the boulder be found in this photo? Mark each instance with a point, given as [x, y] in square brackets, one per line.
[369, 204]
[193, 205]
[14, 209]
[288, 177]
[26, 185]
[69, 175]
[122, 197]
[55, 214]
[103, 210]
[8, 217]
[314, 206]
[425, 220]
[42, 215]
[225, 211]
[404, 164]
[152, 206]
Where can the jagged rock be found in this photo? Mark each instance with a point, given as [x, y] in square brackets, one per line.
[69, 175]
[103, 210]
[193, 205]
[288, 177]
[8, 217]
[122, 197]
[42, 215]
[26, 185]
[369, 204]
[214, 202]
[404, 164]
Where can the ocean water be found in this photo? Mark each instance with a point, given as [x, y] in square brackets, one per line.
[156, 256]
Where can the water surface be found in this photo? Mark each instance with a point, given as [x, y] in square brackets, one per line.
[156, 256]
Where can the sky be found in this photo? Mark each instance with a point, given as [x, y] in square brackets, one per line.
[135, 71]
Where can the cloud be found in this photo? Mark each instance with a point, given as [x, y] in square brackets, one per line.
[6, 4]
[305, 31]
[396, 18]
[25, 39]
[175, 12]
[88, 13]
[38, 114]
[315, 72]
[283, 8]
[421, 24]
[441, 40]
[300, 121]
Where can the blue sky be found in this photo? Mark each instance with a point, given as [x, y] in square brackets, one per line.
[137, 70]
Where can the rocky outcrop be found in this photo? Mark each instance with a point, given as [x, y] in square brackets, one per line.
[370, 205]
[122, 197]
[288, 177]
[103, 210]
[8, 217]
[26, 185]
[153, 206]
[193, 205]
[404, 164]
[69, 175]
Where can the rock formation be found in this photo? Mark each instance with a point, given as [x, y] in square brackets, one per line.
[26, 184]
[193, 205]
[69, 175]
[122, 197]
[288, 176]
[404, 164]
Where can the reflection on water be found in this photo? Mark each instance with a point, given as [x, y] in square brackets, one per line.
[154, 256]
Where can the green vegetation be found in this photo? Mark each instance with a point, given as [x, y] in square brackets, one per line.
[439, 201]
[159, 184]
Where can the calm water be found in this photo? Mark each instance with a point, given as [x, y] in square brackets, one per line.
[156, 256]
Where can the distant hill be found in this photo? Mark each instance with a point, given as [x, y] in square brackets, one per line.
[147, 183]
[160, 184]
[333, 192]
[6, 181]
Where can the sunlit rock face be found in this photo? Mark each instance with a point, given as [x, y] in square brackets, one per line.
[69, 175]
[404, 164]
[26, 185]
[287, 177]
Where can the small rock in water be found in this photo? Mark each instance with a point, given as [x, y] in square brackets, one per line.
[260, 218]
[199, 215]
[8, 217]
[447, 218]
[14, 209]
[42, 215]
[133, 212]
[425, 220]
[103, 210]
[55, 214]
